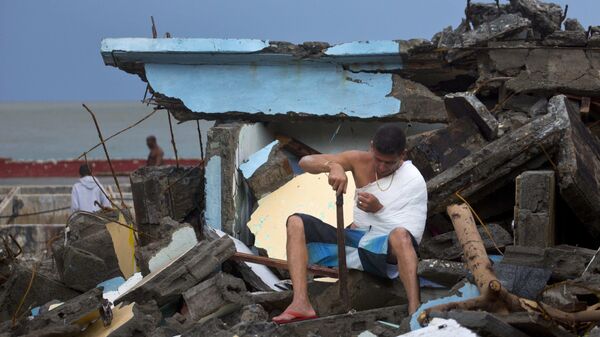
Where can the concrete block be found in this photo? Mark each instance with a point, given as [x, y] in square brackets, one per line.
[83, 270]
[467, 105]
[446, 273]
[534, 209]
[578, 166]
[546, 17]
[267, 170]
[76, 313]
[43, 289]
[446, 246]
[214, 293]
[192, 267]
[436, 151]
[89, 256]
[160, 191]
[565, 262]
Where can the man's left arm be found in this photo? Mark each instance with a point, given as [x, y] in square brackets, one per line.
[369, 203]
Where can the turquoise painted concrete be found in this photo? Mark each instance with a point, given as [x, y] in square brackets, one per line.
[188, 45]
[212, 191]
[380, 47]
[256, 160]
[319, 89]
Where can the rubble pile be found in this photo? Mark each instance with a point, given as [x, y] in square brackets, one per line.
[517, 87]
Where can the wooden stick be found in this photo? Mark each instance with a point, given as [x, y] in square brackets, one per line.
[282, 264]
[173, 139]
[341, 242]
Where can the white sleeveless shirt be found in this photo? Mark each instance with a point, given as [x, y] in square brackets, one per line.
[404, 203]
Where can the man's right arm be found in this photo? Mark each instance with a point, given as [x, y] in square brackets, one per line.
[334, 164]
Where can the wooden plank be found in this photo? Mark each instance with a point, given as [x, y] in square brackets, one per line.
[341, 243]
[295, 147]
[282, 264]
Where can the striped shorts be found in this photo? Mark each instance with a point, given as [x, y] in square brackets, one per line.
[364, 251]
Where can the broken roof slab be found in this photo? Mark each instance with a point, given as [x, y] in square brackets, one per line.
[261, 80]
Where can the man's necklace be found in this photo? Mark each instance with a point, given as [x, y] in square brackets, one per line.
[377, 182]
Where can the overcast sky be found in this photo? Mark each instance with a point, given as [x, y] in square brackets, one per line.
[50, 50]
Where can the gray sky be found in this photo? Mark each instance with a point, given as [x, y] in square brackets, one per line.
[50, 50]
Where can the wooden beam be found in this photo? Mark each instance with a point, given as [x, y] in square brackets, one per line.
[282, 264]
[295, 147]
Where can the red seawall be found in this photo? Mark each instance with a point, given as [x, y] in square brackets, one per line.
[70, 168]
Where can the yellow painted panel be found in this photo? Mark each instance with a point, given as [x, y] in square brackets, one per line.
[124, 244]
[121, 315]
[306, 193]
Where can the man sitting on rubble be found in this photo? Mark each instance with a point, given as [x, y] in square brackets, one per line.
[389, 219]
[86, 194]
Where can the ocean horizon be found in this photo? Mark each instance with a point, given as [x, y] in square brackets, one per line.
[64, 130]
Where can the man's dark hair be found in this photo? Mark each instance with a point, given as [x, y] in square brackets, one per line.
[389, 139]
[84, 170]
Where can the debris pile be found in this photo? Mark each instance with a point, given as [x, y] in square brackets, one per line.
[519, 149]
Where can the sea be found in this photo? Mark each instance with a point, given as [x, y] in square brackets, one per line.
[64, 130]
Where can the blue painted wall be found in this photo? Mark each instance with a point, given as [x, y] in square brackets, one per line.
[320, 89]
[212, 190]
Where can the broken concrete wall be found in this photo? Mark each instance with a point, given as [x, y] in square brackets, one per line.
[267, 169]
[160, 191]
[228, 204]
[171, 240]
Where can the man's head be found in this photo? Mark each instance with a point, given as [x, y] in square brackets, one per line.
[84, 170]
[151, 141]
[388, 148]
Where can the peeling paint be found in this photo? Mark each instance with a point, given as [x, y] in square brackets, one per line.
[256, 160]
[319, 89]
[182, 240]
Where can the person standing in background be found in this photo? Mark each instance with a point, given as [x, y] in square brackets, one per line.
[86, 194]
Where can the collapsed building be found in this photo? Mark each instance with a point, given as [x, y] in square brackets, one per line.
[501, 112]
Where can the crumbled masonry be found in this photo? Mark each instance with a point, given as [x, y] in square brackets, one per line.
[502, 114]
